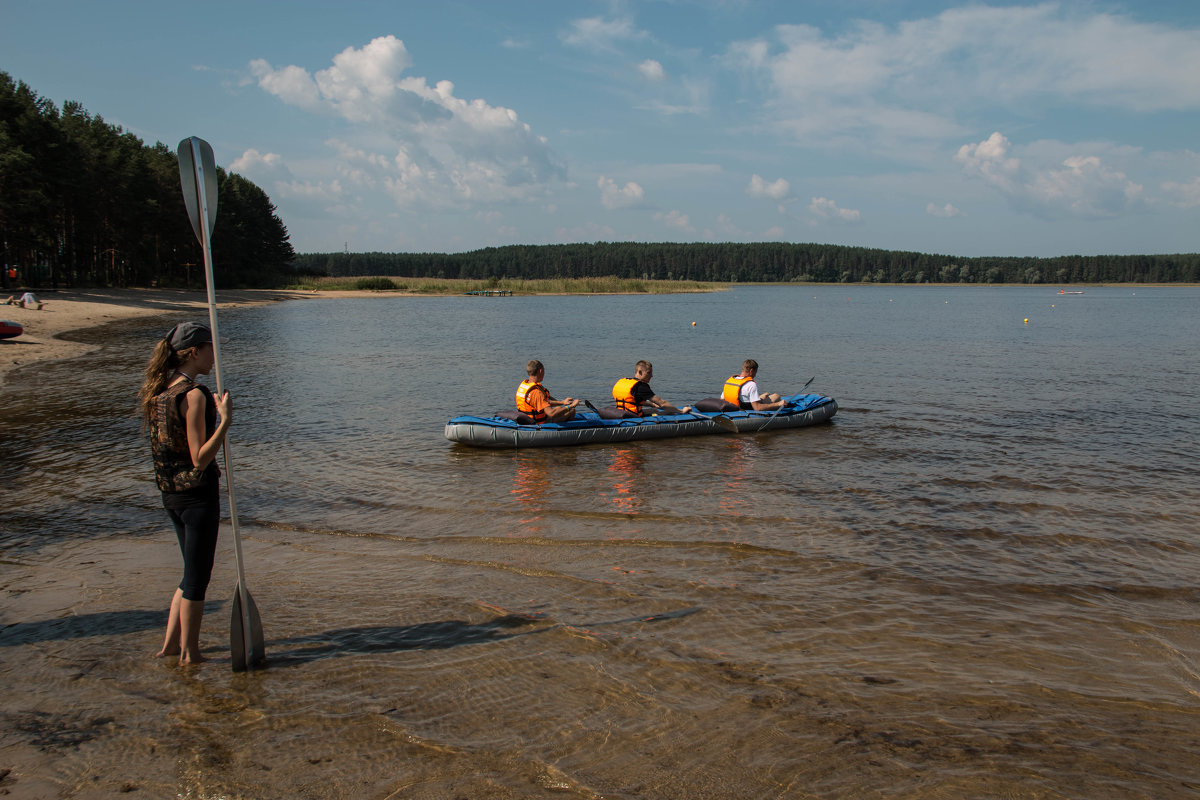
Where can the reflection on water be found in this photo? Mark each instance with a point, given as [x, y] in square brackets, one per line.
[626, 470]
[732, 475]
[979, 581]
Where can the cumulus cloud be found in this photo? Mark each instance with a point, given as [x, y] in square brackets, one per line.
[728, 229]
[613, 196]
[910, 81]
[652, 70]
[825, 209]
[261, 167]
[760, 188]
[675, 219]
[1077, 186]
[945, 212]
[439, 149]
[1184, 195]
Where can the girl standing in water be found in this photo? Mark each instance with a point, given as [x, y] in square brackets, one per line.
[187, 426]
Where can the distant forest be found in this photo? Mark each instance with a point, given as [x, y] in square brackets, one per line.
[83, 203]
[747, 263]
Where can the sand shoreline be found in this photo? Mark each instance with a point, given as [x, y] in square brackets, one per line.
[78, 309]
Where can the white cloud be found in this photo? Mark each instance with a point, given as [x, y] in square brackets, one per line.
[1184, 195]
[912, 81]
[293, 85]
[774, 232]
[990, 160]
[652, 70]
[597, 33]
[675, 219]
[1077, 186]
[1085, 187]
[426, 146]
[826, 209]
[612, 196]
[945, 212]
[760, 188]
[261, 167]
[729, 230]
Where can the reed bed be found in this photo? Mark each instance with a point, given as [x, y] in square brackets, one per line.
[602, 285]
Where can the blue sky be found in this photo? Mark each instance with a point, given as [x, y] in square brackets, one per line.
[962, 128]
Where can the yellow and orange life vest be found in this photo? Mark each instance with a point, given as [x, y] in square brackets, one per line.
[732, 393]
[623, 394]
[523, 404]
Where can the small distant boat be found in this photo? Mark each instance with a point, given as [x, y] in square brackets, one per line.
[10, 329]
[1064, 291]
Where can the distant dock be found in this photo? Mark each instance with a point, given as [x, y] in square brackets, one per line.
[490, 292]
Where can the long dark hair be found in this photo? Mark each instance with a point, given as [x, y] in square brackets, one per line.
[163, 363]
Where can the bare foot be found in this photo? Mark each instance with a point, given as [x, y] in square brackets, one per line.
[166, 652]
[196, 659]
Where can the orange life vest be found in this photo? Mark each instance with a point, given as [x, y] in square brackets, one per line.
[623, 394]
[732, 393]
[523, 405]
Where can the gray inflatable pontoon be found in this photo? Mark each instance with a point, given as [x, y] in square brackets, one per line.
[590, 428]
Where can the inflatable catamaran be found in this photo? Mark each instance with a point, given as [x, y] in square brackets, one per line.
[592, 427]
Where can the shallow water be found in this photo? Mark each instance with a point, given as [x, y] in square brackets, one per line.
[979, 581]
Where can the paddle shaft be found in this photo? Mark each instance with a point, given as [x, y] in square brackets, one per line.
[721, 420]
[206, 244]
[784, 404]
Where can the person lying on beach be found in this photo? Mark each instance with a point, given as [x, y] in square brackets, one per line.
[187, 426]
[742, 390]
[535, 400]
[633, 393]
[27, 300]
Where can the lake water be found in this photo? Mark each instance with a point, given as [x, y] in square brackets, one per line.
[982, 579]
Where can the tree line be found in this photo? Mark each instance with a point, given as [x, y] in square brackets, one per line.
[84, 203]
[752, 262]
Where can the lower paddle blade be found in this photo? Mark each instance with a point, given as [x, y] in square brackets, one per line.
[237, 634]
[242, 658]
[258, 653]
[726, 423]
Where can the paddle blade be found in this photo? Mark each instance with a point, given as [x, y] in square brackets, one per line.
[198, 177]
[726, 423]
[242, 658]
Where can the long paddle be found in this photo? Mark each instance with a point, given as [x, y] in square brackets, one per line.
[785, 405]
[198, 177]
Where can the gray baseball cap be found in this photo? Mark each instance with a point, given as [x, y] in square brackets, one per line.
[188, 334]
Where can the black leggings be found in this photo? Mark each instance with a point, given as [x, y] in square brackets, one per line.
[196, 527]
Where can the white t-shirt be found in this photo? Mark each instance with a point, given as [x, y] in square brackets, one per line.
[748, 393]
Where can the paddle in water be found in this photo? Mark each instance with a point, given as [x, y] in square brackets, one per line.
[198, 177]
